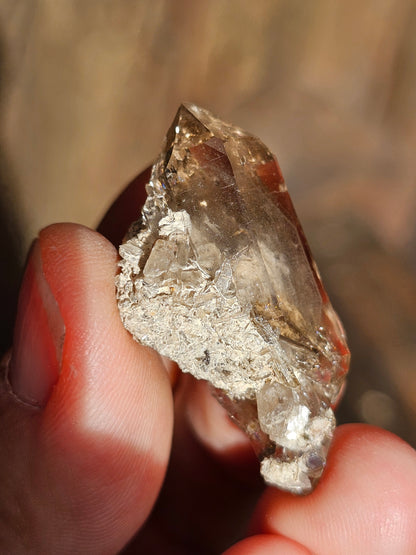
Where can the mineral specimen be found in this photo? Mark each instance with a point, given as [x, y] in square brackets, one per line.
[217, 275]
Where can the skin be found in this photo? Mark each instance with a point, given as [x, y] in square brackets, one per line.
[87, 433]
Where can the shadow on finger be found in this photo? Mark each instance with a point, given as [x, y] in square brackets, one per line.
[212, 483]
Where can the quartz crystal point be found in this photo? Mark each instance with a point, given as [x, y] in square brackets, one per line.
[216, 274]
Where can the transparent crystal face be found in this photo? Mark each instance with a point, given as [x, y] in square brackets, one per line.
[217, 275]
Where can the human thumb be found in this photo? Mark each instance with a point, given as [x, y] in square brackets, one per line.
[87, 412]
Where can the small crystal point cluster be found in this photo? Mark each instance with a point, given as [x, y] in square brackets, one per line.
[217, 275]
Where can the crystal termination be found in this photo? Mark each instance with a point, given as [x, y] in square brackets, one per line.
[217, 275]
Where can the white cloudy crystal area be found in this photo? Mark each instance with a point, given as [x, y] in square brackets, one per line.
[233, 302]
[196, 319]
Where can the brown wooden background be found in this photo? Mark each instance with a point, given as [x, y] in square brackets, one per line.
[88, 88]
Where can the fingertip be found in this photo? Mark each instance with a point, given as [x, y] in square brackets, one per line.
[62, 243]
[267, 544]
[364, 502]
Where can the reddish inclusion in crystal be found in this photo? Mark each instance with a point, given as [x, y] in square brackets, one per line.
[271, 175]
[212, 152]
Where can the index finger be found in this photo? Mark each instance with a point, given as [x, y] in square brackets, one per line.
[125, 209]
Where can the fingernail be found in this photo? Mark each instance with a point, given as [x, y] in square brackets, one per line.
[38, 336]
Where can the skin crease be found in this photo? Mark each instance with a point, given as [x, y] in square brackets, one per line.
[81, 473]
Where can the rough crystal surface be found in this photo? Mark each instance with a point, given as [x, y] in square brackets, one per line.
[217, 275]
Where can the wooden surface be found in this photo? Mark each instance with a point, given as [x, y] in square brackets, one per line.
[89, 87]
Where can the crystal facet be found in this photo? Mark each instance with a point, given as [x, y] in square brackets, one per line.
[217, 275]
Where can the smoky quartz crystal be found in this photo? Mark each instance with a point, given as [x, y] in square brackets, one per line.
[217, 275]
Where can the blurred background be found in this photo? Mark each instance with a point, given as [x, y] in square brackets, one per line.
[88, 89]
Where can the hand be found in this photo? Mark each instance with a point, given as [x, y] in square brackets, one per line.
[87, 419]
